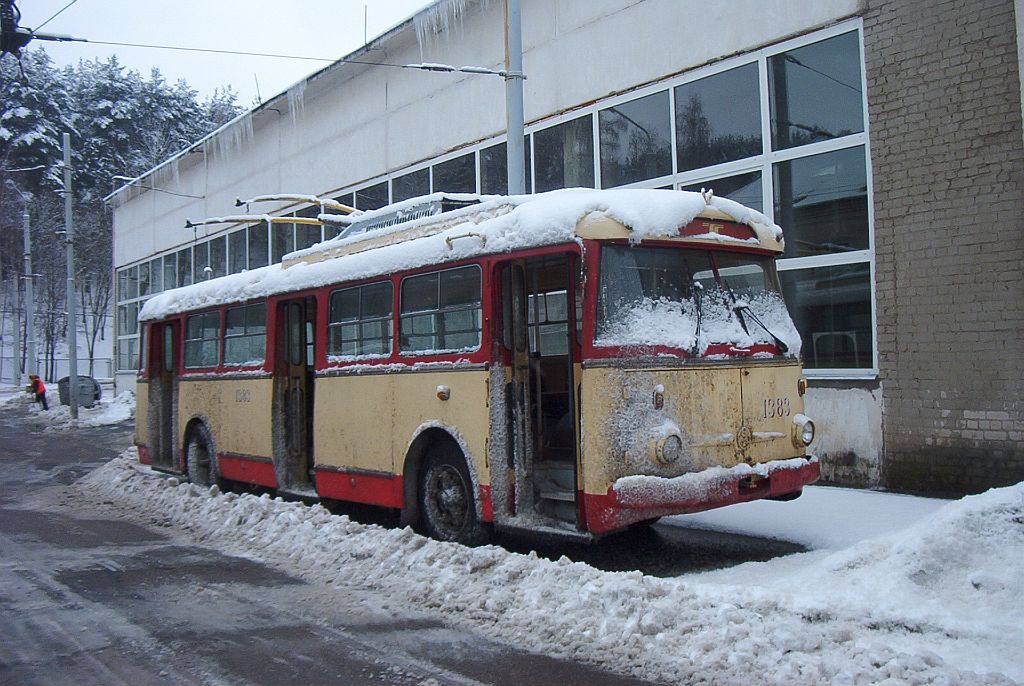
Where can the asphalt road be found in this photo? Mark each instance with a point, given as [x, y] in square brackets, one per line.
[90, 599]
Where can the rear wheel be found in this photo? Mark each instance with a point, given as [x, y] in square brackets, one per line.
[201, 461]
[447, 504]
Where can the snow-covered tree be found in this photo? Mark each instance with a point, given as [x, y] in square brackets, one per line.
[120, 124]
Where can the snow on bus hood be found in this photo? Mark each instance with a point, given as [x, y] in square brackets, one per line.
[536, 220]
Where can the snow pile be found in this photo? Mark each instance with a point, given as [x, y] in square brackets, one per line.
[671, 630]
[104, 413]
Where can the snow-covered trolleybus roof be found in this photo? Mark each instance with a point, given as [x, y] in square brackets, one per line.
[496, 224]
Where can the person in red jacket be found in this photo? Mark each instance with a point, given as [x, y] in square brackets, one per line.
[38, 389]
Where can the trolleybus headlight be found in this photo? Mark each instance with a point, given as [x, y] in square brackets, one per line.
[669, 449]
[803, 431]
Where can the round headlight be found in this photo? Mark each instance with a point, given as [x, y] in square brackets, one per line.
[806, 432]
[670, 450]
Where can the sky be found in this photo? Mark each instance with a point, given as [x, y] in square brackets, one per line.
[307, 28]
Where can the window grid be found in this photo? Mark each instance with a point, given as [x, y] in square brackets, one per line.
[202, 340]
[762, 163]
[436, 317]
[365, 329]
[245, 335]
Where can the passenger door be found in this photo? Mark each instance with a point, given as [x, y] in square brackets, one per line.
[163, 393]
[294, 393]
[537, 302]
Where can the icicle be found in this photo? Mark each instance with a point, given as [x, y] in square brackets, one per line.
[440, 17]
[297, 100]
[234, 136]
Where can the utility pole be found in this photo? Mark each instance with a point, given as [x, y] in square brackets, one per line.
[69, 237]
[515, 127]
[30, 324]
[30, 320]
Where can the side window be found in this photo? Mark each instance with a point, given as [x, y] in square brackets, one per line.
[245, 335]
[441, 311]
[202, 340]
[360, 322]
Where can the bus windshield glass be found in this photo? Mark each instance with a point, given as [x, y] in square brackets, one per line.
[690, 299]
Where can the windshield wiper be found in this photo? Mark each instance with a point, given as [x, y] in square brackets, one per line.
[739, 306]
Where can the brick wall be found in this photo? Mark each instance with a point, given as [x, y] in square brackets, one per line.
[944, 107]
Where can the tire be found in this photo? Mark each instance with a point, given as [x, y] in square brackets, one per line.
[446, 498]
[201, 461]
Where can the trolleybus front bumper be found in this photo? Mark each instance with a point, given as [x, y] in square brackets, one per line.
[634, 499]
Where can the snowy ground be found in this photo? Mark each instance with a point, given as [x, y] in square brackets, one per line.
[895, 589]
[110, 410]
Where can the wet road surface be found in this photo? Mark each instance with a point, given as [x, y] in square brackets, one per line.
[89, 599]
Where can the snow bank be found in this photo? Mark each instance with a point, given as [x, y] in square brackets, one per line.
[104, 413]
[671, 630]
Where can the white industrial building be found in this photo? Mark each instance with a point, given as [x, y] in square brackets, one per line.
[781, 105]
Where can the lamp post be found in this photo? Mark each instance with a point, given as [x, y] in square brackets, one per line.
[514, 99]
[69, 237]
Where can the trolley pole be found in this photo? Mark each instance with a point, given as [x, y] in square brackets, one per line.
[69, 237]
[515, 126]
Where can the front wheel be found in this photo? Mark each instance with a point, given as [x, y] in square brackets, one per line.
[447, 505]
[201, 461]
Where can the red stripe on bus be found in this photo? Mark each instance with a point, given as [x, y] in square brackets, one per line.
[372, 489]
[247, 470]
[145, 456]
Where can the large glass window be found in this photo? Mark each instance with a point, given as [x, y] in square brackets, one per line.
[259, 254]
[743, 188]
[831, 307]
[282, 241]
[128, 319]
[218, 256]
[718, 118]
[156, 275]
[410, 185]
[202, 259]
[456, 175]
[144, 280]
[130, 288]
[245, 335]
[237, 255]
[565, 155]
[636, 141]
[441, 312]
[372, 197]
[185, 267]
[170, 271]
[815, 92]
[360, 322]
[307, 235]
[822, 202]
[494, 168]
[202, 340]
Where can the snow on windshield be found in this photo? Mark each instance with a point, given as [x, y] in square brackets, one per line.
[672, 297]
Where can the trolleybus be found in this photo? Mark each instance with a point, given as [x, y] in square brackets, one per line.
[576, 362]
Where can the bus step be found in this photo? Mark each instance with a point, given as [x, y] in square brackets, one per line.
[564, 496]
[306, 495]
